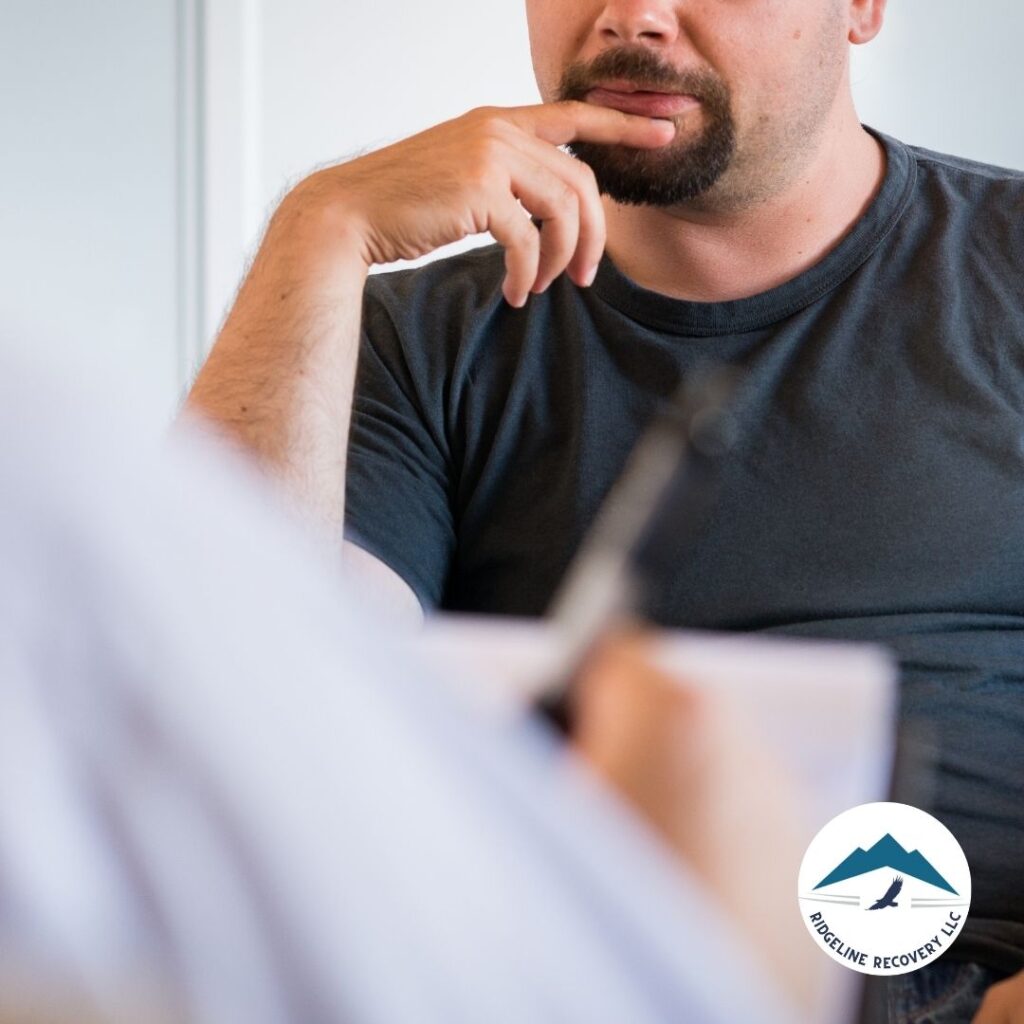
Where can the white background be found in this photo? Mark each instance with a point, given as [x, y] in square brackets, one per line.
[145, 142]
[88, 188]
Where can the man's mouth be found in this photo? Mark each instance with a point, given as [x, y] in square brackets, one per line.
[632, 99]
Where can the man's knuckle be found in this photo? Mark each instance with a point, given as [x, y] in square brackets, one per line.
[585, 175]
[482, 161]
[525, 233]
[565, 197]
[476, 175]
[493, 123]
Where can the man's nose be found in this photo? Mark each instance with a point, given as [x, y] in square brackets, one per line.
[638, 22]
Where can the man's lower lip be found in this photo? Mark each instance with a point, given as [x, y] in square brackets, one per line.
[646, 104]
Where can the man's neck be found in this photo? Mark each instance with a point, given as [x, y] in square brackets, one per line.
[706, 255]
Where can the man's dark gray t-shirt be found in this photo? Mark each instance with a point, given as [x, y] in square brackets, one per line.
[878, 493]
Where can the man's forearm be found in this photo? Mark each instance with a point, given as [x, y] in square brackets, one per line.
[280, 377]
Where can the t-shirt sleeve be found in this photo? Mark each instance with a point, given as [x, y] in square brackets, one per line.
[398, 473]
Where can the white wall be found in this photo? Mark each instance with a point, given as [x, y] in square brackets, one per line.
[945, 74]
[340, 77]
[88, 190]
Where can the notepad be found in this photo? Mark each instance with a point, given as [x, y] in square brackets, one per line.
[826, 710]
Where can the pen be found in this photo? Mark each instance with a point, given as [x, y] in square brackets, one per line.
[643, 527]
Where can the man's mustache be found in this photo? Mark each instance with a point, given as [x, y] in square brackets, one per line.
[640, 67]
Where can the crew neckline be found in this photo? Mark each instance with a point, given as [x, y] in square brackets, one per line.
[704, 319]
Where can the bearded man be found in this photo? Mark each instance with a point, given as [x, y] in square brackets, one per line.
[720, 199]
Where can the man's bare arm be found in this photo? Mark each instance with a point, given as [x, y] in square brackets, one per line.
[280, 377]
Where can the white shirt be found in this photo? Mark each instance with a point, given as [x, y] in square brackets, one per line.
[227, 795]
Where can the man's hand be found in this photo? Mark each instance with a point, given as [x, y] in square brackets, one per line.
[1003, 1003]
[281, 375]
[688, 763]
[471, 174]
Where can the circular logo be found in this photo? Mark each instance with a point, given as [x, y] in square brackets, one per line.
[884, 889]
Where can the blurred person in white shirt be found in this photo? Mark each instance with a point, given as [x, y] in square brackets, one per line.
[225, 795]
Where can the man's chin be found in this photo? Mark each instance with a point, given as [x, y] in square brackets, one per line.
[638, 177]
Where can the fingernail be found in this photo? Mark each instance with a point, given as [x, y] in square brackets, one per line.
[589, 279]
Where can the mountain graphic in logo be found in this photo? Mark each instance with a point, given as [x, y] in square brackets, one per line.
[886, 853]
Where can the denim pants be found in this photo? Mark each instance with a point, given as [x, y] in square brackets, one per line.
[948, 992]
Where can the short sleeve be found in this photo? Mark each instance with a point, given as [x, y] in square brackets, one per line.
[398, 473]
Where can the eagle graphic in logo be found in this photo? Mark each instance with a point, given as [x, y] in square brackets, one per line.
[889, 899]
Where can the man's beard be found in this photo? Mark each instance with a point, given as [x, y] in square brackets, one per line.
[677, 172]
